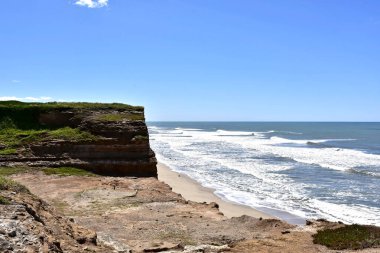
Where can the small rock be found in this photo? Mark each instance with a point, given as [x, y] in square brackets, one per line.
[12, 233]
[206, 248]
[214, 205]
[309, 222]
[285, 232]
[165, 246]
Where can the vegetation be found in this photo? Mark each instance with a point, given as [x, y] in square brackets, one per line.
[349, 237]
[141, 137]
[121, 117]
[8, 151]
[4, 201]
[7, 171]
[13, 138]
[10, 185]
[26, 115]
[71, 134]
[67, 105]
[68, 171]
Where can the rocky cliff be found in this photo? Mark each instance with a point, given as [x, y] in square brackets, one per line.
[109, 139]
[29, 224]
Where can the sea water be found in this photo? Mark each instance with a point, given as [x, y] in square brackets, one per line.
[310, 170]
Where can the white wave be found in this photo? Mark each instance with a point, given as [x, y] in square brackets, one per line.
[333, 158]
[280, 131]
[233, 133]
[187, 129]
[279, 140]
[201, 155]
[347, 213]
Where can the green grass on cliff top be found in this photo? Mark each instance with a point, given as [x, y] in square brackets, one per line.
[68, 171]
[26, 115]
[67, 105]
[349, 237]
[120, 117]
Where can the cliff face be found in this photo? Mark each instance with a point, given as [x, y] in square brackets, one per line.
[109, 139]
[29, 224]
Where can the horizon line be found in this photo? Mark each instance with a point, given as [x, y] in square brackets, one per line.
[258, 121]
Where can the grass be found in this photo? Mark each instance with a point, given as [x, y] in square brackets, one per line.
[71, 134]
[4, 201]
[349, 237]
[141, 137]
[121, 117]
[14, 138]
[8, 151]
[68, 105]
[7, 171]
[10, 185]
[68, 171]
[26, 115]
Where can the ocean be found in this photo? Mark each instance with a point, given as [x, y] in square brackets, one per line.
[309, 170]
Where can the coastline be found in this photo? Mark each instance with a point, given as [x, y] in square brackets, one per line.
[194, 191]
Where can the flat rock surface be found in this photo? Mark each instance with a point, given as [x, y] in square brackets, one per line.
[144, 215]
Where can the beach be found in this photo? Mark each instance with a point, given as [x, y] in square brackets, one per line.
[193, 191]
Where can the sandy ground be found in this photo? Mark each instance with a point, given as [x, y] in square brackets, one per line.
[192, 190]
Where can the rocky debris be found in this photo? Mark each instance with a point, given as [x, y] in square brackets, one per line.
[199, 249]
[206, 249]
[144, 215]
[118, 246]
[28, 224]
[162, 247]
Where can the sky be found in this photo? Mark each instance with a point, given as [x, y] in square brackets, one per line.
[197, 60]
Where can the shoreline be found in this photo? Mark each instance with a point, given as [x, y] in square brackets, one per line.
[194, 191]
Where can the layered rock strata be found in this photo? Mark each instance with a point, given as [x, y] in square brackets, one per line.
[119, 144]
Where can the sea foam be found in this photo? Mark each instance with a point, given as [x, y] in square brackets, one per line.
[253, 168]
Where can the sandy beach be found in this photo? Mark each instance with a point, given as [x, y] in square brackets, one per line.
[193, 191]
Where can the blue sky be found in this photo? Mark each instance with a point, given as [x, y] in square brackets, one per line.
[222, 60]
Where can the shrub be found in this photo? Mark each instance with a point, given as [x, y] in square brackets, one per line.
[4, 201]
[10, 185]
[349, 237]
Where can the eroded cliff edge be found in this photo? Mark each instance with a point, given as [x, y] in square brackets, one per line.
[108, 139]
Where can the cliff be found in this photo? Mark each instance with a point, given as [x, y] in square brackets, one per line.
[29, 224]
[109, 139]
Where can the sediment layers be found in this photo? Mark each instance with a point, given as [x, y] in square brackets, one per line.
[119, 144]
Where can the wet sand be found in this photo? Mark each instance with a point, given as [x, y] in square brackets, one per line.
[193, 191]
